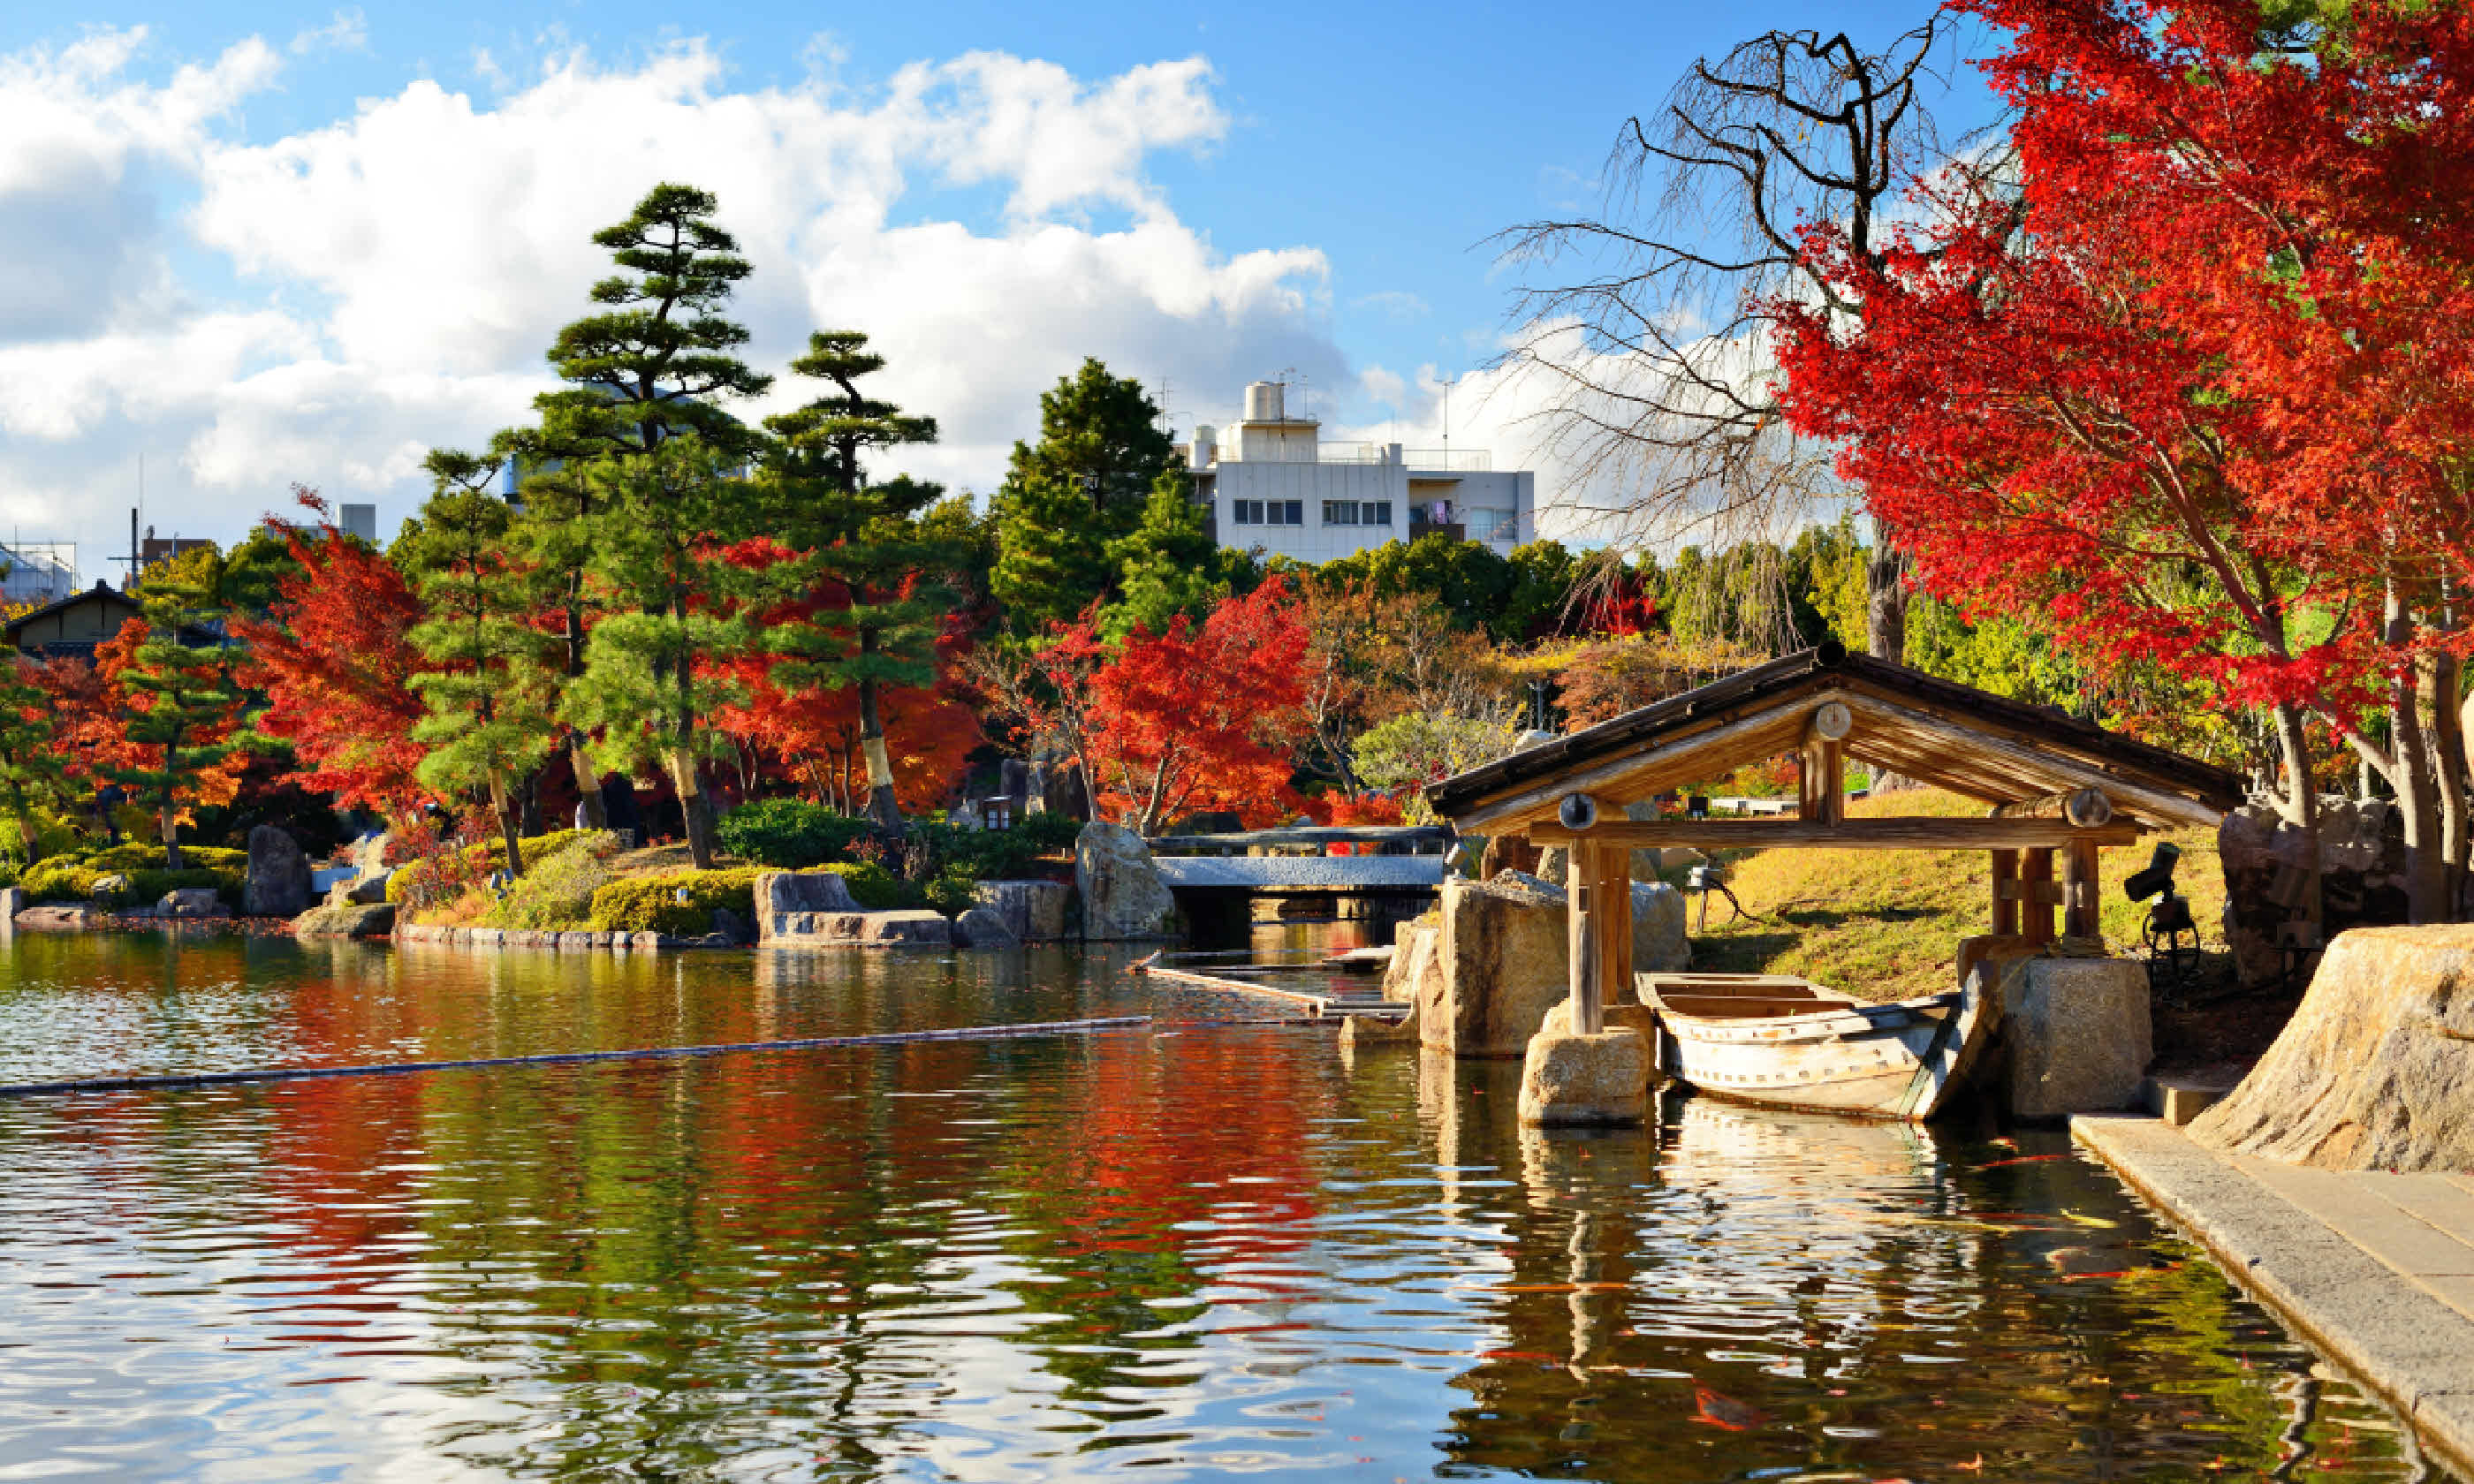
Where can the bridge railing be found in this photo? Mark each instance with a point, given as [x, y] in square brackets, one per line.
[1312, 839]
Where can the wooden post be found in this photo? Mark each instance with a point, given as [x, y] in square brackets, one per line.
[2080, 918]
[2006, 893]
[1579, 904]
[2036, 897]
[1614, 923]
[1821, 795]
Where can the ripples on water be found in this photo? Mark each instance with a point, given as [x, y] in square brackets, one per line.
[1185, 1250]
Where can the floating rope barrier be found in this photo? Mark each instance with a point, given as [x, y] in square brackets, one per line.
[1028, 1028]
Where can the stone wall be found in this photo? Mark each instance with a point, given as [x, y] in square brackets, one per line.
[2267, 868]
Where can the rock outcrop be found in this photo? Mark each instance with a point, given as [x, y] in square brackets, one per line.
[2375, 1071]
[278, 875]
[1659, 945]
[71, 918]
[790, 902]
[1414, 960]
[1123, 895]
[191, 902]
[2077, 1035]
[1034, 911]
[346, 920]
[1503, 958]
[984, 928]
[1586, 1081]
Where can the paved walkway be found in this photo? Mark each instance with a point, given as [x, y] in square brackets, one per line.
[2377, 1270]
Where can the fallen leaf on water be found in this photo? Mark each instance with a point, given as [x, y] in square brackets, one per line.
[1976, 1465]
[1723, 1411]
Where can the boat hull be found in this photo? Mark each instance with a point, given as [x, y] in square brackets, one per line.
[1903, 1059]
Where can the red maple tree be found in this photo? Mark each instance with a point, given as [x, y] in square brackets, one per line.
[2192, 394]
[1200, 717]
[335, 659]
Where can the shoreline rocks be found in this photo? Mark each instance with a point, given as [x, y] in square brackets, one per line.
[1123, 895]
[278, 883]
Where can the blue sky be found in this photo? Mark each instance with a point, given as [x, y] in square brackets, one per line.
[1200, 195]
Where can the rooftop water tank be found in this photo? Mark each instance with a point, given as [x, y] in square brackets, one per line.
[1206, 446]
[1263, 401]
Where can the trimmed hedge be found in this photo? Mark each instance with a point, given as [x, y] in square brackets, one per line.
[636, 905]
[872, 886]
[557, 889]
[791, 834]
[72, 879]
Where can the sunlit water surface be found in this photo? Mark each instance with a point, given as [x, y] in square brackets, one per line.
[1189, 1249]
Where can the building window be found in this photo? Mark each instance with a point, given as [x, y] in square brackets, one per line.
[1377, 513]
[1340, 513]
[1284, 512]
[1245, 513]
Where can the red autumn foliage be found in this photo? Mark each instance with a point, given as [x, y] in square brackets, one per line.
[92, 711]
[1193, 719]
[813, 731]
[335, 659]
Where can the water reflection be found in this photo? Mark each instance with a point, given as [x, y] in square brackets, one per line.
[1194, 1251]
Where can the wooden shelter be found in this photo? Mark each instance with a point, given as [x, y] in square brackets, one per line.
[2054, 787]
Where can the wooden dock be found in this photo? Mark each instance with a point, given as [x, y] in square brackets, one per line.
[1319, 1006]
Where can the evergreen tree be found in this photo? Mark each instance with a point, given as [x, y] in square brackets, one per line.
[655, 667]
[869, 540]
[658, 362]
[184, 698]
[487, 721]
[1167, 565]
[33, 772]
[1085, 483]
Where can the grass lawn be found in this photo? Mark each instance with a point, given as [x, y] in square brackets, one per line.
[1883, 925]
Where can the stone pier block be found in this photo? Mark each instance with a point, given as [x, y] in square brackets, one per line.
[2079, 1033]
[1600, 1080]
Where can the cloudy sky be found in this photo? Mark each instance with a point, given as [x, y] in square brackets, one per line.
[258, 243]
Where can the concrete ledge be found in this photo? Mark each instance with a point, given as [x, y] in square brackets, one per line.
[2404, 1342]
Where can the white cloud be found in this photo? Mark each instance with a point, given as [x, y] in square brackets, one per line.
[387, 282]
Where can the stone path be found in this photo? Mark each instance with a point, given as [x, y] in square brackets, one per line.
[2375, 1269]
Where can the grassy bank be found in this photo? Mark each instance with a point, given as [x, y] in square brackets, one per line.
[1882, 925]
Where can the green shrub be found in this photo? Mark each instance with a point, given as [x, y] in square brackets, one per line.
[61, 878]
[635, 904]
[557, 889]
[791, 834]
[874, 887]
[950, 891]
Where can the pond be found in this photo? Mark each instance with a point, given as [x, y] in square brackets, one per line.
[1188, 1250]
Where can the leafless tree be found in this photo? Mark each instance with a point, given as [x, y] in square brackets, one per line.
[1656, 333]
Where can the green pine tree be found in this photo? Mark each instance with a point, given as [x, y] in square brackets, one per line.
[489, 723]
[33, 773]
[1085, 484]
[1168, 565]
[183, 694]
[656, 665]
[867, 537]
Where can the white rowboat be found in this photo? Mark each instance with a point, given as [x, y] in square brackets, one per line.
[1784, 1041]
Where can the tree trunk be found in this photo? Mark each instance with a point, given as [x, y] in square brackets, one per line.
[696, 811]
[2299, 803]
[1885, 613]
[881, 805]
[503, 806]
[2414, 777]
[587, 783]
[2442, 679]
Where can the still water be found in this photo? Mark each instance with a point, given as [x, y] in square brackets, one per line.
[1189, 1250]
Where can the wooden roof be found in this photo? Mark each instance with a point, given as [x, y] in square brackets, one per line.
[1969, 741]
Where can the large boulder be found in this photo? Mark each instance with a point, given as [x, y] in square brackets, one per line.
[278, 875]
[915, 929]
[71, 918]
[191, 902]
[12, 900]
[1586, 1081]
[1123, 895]
[790, 902]
[1414, 959]
[1659, 945]
[346, 921]
[1034, 911]
[984, 928]
[1503, 960]
[2375, 1071]
[2077, 1035]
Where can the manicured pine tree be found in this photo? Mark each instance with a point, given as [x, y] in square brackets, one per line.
[868, 538]
[487, 721]
[1083, 485]
[659, 361]
[657, 665]
[32, 772]
[1168, 565]
[184, 697]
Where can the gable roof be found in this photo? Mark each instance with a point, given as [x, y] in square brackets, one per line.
[1969, 741]
[102, 593]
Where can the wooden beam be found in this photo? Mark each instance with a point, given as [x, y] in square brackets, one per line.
[2080, 918]
[1766, 730]
[2057, 769]
[2035, 905]
[1581, 938]
[2085, 807]
[1613, 924]
[1822, 784]
[1929, 833]
[2006, 908]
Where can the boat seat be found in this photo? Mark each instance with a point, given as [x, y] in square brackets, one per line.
[1746, 1007]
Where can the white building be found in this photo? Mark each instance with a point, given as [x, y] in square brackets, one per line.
[38, 571]
[1272, 485]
